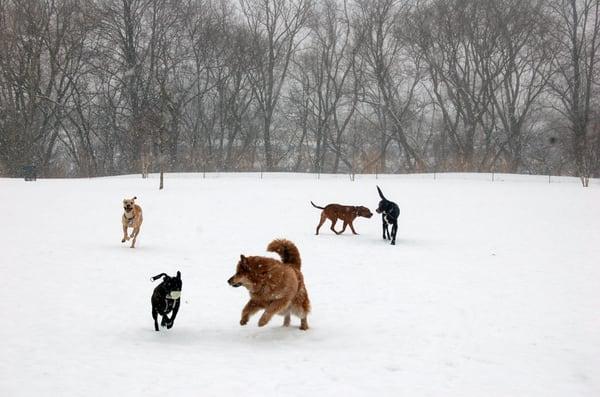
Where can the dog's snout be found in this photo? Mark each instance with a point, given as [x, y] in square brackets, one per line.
[232, 283]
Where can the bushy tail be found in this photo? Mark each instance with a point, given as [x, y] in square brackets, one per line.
[287, 251]
[316, 206]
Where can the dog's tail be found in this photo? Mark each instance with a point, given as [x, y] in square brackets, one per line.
[158, 276]
[380, 193]
[316, 206]
[287, 251]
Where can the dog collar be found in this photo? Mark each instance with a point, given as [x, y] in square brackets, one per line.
[174, 295]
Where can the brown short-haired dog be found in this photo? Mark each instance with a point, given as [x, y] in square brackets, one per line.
[132, 217]
[347, 213]
[276, 286]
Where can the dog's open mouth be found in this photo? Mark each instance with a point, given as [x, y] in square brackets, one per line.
[236, 285]
[175, 294]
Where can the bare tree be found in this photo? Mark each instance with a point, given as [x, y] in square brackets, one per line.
[524, 77]
[577, 37]
[460, 44]
[275, 26]
[324, 71]
[96, 87]
[394, 74]
[41, 52]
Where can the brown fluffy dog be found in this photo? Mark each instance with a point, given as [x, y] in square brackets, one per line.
[132, 217]
[347, 213]
[276, 286]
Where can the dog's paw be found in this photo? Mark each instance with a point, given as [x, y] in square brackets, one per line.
[244, 321]
[170, 325]
[123, 240]
[304, 327]
[262, 322]
[393, 243]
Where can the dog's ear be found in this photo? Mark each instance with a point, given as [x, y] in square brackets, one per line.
[243, 261]
[134, 198]
[178, 275]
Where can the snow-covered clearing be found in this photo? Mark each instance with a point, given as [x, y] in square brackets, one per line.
[493, 288]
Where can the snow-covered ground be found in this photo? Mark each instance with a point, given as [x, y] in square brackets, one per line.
[493, 288]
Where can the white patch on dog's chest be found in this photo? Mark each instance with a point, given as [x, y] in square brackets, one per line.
[130, 221]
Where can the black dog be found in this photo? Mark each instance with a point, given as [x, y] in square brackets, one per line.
[166, 299]
[389, 215]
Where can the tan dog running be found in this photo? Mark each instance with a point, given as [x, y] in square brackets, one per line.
[276, 286]
[132, 217]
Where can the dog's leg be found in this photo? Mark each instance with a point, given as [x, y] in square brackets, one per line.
[248, 310]
[125, 237]
[286, 320]
[352, 227]
[343, 228]
[384, 225]
[304, 324]
[175, 310]
[323, 218]
[155, 316]
[134, 234]
[394, 231]
[271, 310]
[333, 222]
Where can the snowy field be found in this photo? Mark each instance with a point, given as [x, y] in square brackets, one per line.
[493, 288]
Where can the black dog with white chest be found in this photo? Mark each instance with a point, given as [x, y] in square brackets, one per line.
[166, 299]
[389, 215]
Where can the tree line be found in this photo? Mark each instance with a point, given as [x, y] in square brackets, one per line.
[103, 87]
